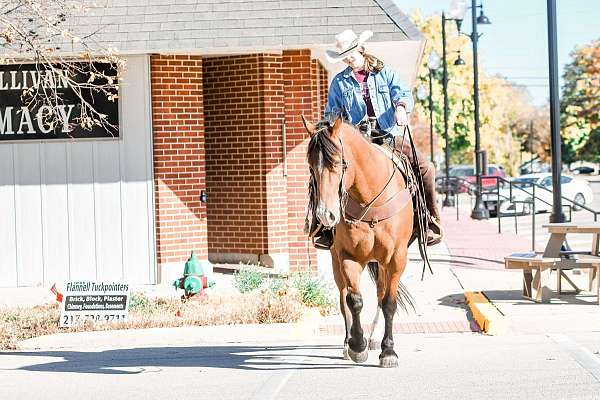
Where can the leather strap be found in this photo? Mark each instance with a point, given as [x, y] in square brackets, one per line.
[391, 207]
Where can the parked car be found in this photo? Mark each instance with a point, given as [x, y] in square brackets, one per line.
[520, 203]
[467, 173]
[583, 170]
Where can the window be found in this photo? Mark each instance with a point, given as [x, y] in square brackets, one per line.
[565, 179]
[547, 181]
[462, 172]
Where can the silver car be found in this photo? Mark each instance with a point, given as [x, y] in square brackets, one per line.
[520, 200]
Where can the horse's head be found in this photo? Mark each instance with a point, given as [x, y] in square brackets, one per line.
[326, 161]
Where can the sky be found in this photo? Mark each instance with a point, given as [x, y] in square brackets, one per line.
[515, 45]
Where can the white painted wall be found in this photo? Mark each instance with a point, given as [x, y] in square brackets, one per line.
[82, 209]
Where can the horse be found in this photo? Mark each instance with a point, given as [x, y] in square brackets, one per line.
[349, 170]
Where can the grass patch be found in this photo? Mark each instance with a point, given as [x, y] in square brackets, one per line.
[264, 299]
[312, 291]
[18, 324]
[248, 278]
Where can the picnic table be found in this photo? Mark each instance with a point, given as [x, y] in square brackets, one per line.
[538, 266]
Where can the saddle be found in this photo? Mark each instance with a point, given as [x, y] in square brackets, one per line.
[356, 212]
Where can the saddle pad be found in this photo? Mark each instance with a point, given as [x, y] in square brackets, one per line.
[394, 156]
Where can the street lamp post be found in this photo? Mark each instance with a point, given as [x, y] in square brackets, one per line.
[447, 202]
[557, 214]
[479, 210]
[454, 16]
[458, 9]
[433, 63]
[431, 115]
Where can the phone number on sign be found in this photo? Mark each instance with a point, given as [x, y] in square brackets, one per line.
[68, 320]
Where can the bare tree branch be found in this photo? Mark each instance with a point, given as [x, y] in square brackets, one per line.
[38, 32]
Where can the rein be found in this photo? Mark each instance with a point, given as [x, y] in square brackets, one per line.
[344, 196]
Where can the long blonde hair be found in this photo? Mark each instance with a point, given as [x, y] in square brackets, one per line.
[372, 63]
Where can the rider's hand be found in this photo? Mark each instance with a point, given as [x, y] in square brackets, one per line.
[401, 116]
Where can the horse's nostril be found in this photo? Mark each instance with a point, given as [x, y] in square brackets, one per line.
[331, 218]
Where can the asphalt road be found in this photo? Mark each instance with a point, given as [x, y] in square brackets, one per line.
[447, 366]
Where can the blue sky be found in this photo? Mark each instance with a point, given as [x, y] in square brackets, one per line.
[515, 45]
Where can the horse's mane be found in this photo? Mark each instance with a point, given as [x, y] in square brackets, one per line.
[322, 149]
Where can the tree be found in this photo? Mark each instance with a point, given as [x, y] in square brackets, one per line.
[580, 105]
[38, 32]
[502, 104]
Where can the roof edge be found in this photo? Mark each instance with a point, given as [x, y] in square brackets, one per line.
[400, 19]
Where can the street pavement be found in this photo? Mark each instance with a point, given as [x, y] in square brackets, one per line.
[549, 351]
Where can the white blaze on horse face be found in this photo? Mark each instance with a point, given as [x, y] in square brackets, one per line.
[328, 208]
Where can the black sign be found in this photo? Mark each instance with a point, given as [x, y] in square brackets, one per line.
[20, 122]
[98, 302]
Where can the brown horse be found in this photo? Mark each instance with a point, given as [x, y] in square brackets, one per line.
[346, 167]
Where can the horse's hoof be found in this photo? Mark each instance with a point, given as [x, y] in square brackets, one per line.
[346, 353]
[374, 344]
[389, 361]
[359, 357]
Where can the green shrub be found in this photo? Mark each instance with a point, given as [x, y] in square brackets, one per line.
[312, 291]
[139, 302]
[248, 278]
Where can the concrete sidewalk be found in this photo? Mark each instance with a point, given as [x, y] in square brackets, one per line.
[471, 259]
[477, 252]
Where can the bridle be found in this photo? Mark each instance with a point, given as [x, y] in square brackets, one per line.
[343, 194]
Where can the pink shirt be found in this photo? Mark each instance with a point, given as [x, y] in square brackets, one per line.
[361, 77]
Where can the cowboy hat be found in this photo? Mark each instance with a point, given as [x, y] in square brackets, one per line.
[346, 43]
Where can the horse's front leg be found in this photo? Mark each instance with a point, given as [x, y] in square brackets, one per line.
[357, 344]
[338, 276]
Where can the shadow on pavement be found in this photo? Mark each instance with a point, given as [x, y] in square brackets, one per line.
[516, 296]
[230, 357]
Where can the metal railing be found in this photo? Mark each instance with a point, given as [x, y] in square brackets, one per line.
[453, 186]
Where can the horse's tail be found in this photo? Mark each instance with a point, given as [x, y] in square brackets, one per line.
[403, 297]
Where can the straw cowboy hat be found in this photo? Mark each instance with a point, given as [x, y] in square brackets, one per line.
[346, 43]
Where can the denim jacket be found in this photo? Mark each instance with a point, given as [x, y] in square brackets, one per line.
[385, 89]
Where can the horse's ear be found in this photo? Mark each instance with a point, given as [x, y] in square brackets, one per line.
[337, 124]
[309, 126]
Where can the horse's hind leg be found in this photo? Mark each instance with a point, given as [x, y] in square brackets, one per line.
[357, 344]
[343, 288]
[378, 276]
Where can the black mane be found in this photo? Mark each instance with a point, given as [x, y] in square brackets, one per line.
[323, 151]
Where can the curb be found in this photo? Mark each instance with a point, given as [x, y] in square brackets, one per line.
[487, 316]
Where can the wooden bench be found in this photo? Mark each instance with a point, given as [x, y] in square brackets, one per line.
[536, 271]
[538, 266]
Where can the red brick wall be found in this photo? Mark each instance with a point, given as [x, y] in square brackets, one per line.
[179, 173]
[247, 197]
[305, 87]
[257, 201]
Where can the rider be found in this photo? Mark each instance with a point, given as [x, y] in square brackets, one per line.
[370, 94]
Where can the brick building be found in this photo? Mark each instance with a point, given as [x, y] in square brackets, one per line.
[211, 155]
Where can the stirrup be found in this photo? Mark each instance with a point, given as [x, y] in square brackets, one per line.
[435, 233]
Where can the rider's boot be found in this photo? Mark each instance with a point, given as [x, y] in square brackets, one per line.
[435, 234]
[323, 239]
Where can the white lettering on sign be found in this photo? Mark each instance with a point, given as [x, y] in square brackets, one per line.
[44, 110]
[65, 116]
[6, 121]
[18, 80]
[95, 301]
[25, 119]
